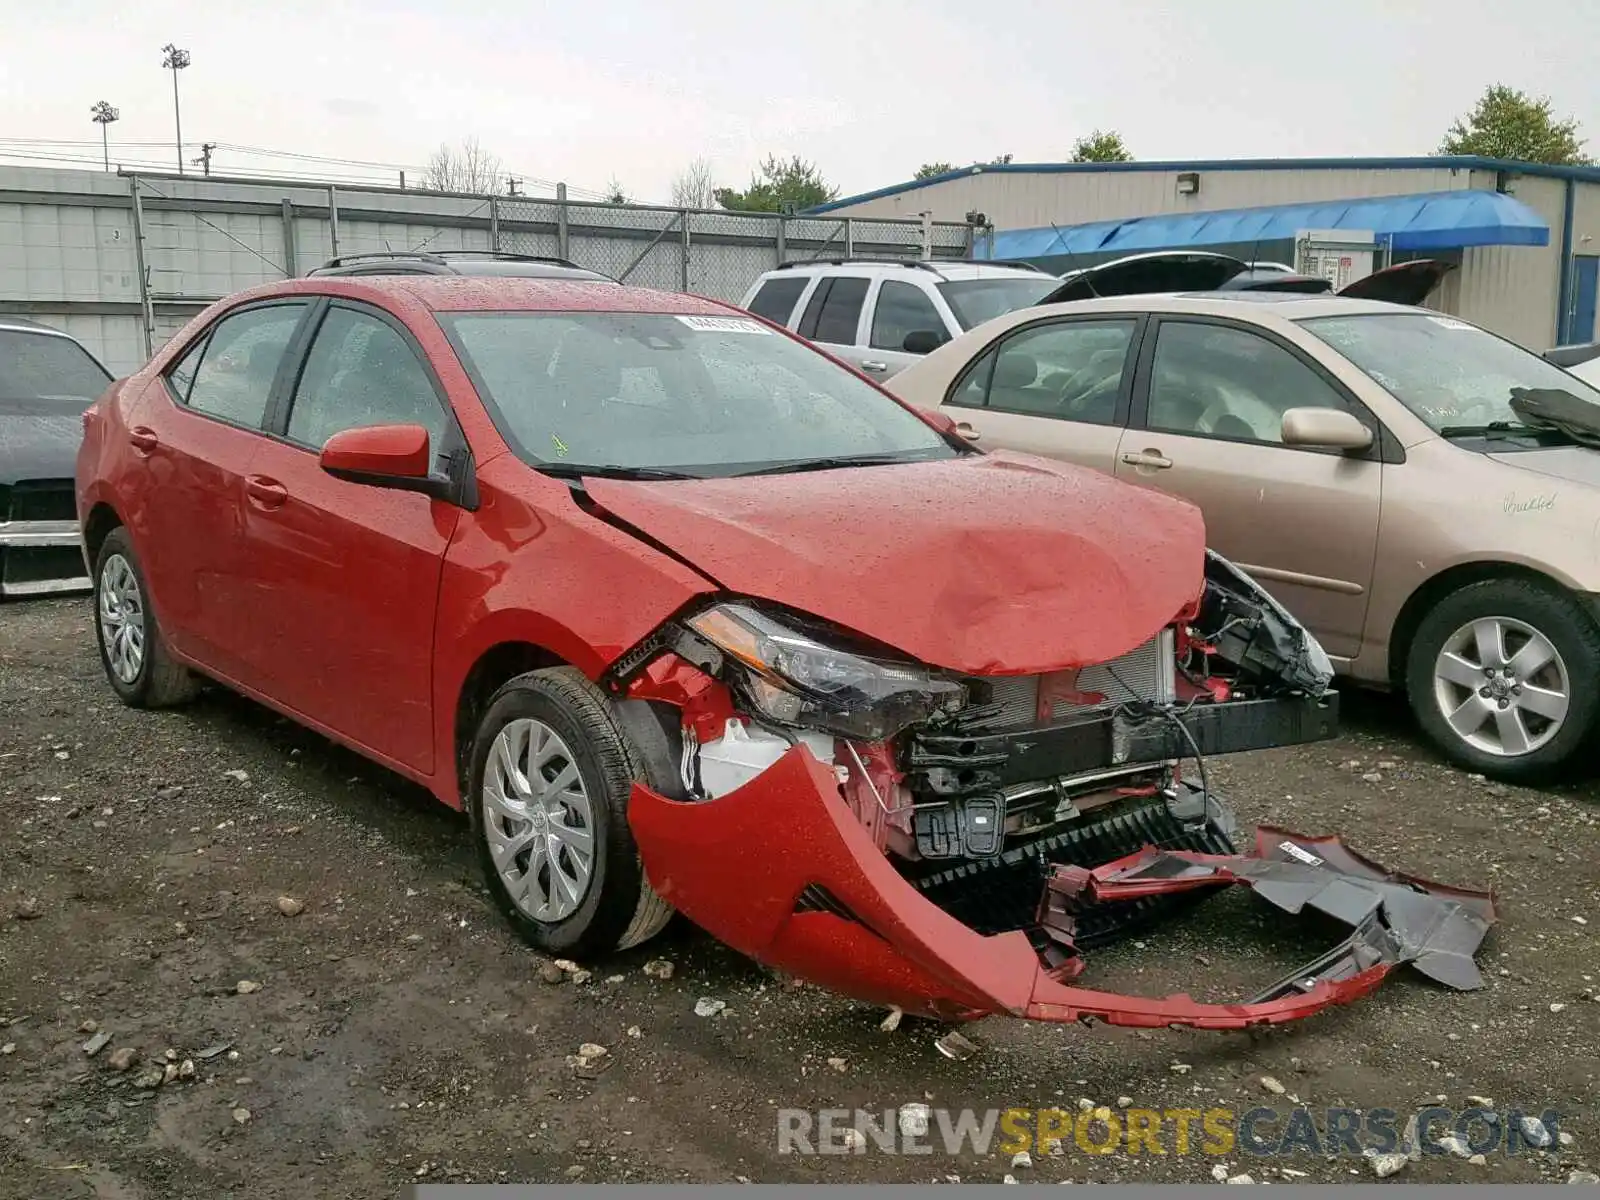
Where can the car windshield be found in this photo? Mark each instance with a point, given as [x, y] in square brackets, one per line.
[1452, 375]
[49, 369]
[693, 395]
[975, 301]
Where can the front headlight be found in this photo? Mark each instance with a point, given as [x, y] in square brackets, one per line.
[790, 678]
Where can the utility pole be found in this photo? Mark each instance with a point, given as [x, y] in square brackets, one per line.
[204, 161]
[175, 60]
[512, 183]
[102, 114]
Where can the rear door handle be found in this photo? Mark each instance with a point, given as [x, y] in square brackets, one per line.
[144, 439]
[1147, 458]
[267, 493]
[876, 367]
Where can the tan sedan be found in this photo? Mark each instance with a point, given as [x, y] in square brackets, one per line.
[1422, 494]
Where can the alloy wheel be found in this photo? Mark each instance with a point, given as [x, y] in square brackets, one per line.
[121, 605]
[538, 820]
[1501, 686]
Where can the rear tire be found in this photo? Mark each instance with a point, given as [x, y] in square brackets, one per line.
[132, 651]
[547, 800]
[1501, 677]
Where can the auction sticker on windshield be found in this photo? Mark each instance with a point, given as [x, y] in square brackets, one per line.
[724, 325]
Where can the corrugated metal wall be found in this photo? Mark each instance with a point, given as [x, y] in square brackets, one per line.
[1027, 200]
[68, 254]
[1512, 290]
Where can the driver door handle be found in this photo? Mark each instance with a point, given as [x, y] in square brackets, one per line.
[873, 365]
[266, 493]
[1147, 458]
[967, 431]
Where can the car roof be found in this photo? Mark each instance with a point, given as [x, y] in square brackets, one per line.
[494, 293]
[23, 325]
[1289, 306]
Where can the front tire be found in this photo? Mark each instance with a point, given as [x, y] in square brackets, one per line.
[1501, 677]
[548, 805]
[135, 657]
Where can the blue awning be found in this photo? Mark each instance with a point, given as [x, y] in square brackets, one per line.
[1423, 221]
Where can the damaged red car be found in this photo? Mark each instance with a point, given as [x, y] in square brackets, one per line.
[686, 615]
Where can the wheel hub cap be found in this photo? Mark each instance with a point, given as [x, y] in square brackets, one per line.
[1502, 686]
[121, 609]
[538, 820]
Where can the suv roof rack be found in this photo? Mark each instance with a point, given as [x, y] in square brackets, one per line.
[443, 257]
[924, 264]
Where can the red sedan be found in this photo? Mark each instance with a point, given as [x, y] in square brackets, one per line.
[685, 614]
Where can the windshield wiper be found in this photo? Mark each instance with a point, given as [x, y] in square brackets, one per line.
[830, 462]
[1493, 429]
[562, 470]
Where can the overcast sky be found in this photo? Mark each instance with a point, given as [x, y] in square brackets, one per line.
[588, 90]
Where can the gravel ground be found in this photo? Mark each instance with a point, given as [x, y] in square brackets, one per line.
[389, 1027]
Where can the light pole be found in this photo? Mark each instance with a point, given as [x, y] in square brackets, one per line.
[102, 114]
[176, 60]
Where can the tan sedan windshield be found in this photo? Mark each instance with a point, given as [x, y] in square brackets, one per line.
[1449, 373]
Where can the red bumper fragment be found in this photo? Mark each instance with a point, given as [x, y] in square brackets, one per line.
[783, 871]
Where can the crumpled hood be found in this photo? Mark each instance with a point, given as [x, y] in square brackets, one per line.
[989, 564]
[36, 445]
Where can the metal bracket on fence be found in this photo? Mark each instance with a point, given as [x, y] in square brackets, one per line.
[780, 240]
[654, 242]
[849, 238]
[289, 270]
[333, 220]
[494, 223]
[683, 273]
[822, 249]
[146, 308]
[561, 223]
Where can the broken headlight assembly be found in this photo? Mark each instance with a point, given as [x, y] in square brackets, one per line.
[790, 677]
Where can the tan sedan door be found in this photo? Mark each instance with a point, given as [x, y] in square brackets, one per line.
[1056, 387]
[1208, 403]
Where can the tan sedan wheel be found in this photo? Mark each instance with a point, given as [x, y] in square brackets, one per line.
[1501, 675]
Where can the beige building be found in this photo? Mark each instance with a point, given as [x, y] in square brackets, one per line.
[1526, 237]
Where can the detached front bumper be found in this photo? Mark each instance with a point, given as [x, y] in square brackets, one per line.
[781, 870]
[40, 558]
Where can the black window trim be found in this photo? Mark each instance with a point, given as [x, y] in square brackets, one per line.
[454, 445]
[202, 341]
[813, 310]
[1133, 355]
[1385, 447]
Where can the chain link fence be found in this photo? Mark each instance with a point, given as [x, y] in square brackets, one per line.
[710, 252]
[127, 260]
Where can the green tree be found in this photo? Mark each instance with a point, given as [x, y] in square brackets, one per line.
[1507, 123]
[779, 186]
[1101, 147]
[615, 194]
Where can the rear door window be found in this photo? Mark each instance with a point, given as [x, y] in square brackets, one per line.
[840, 313]
[239, 363]
[1070, 370]
[775, 299]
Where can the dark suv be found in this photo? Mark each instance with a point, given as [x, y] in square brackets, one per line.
[458, 262]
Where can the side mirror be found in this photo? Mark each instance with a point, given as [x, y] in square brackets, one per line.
[922, 341]
[1324, 429]
[387, 456]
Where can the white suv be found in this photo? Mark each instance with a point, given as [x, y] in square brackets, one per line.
[883, 315]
